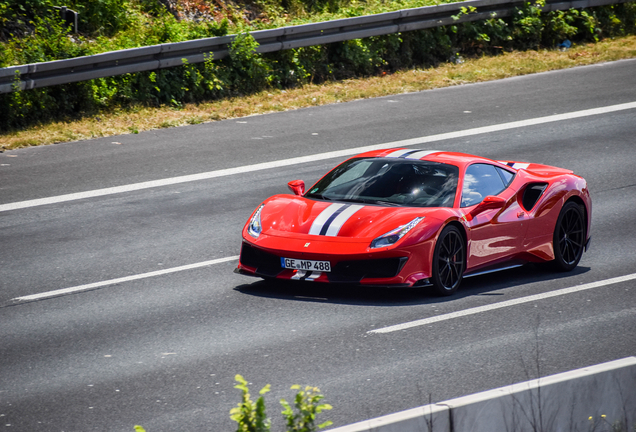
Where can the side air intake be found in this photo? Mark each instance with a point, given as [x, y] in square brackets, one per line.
[531, 195]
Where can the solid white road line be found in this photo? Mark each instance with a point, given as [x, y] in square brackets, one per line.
[314, 158]
[121, 280]
[500, 305]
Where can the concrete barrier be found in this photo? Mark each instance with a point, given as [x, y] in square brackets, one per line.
[557, 403]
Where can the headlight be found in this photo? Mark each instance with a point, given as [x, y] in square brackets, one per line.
[393, 236]
[254, 228]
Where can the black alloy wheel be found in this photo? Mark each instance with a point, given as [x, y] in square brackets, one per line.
[569, 237]
[449, 261]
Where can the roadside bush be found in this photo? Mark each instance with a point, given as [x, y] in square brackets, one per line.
[288, 69]
[104, 17]
[615, 20]
[251, 416]
[245, 71]
[250, 71]
[302, 417]
[47, 42]
[15, 14]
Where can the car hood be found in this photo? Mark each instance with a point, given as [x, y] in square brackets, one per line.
[288, 216]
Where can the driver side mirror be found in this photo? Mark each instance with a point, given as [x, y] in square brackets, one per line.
[297, 187]
[491, 202]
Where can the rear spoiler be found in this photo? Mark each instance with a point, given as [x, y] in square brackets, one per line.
[544, 170]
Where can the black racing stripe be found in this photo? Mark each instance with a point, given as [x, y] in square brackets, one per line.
[325, 227]
[306, 276]
[409, 154]
[510, 164]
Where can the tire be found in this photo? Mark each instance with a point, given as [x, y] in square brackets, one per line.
[449, 261]
[569, 237]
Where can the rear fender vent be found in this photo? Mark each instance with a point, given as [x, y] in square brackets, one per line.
[531, 194]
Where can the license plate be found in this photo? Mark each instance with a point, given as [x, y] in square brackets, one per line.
[308, 265]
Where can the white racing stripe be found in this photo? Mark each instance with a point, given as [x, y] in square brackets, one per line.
[520, 165]
[398, 153]
[95, 285]
[500, 305]
[306, 275]
[339, 221]
[411, 154]
[323, 217]
[422, 153]
[315, 157]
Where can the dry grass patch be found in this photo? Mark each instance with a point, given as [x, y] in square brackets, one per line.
[139, 119]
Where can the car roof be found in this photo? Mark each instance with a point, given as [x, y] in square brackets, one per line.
[453, 158]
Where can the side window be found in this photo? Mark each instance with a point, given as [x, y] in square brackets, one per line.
[506, 176]
[480, 181]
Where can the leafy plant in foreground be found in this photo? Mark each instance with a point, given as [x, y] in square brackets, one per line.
[307, 404]
[250, 415]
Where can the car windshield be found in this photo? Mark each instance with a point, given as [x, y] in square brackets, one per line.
[389, 181]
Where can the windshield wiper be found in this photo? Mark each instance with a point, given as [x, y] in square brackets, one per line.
[369, 201]
[387, 203]
[354, 200]
[318, 196]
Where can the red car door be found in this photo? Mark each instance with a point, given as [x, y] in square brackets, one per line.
[496, 227]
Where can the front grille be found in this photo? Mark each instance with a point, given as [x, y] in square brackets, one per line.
[266, 264]
[355, 271]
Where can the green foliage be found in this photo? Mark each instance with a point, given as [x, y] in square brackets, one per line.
[615, 20]
[561, 25]
[307, 405]
[299, 7]
[21, 11]
[288, 69]
[95, 17]
[24, 108]
[33, 34]
[315, 61]
[101, 17]
[250, 415]
[357, 57]
[528, 25]
[250, 71]
[47, 42]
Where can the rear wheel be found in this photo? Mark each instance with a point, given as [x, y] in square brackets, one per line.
[569, 237]
[449, 261]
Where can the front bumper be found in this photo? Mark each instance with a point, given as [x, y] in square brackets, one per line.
[381, 270]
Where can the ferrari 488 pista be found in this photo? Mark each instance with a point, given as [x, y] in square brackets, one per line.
[415, 218]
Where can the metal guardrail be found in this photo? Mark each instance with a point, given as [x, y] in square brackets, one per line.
[155, 57]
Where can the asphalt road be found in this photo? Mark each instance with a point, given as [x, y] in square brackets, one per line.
[162, 351]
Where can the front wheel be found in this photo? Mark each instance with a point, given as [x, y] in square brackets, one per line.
[569, 237]
[449, 261]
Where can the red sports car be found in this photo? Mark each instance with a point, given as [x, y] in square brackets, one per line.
[411, 218]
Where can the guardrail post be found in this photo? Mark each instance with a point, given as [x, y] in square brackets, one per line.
[69, 16]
